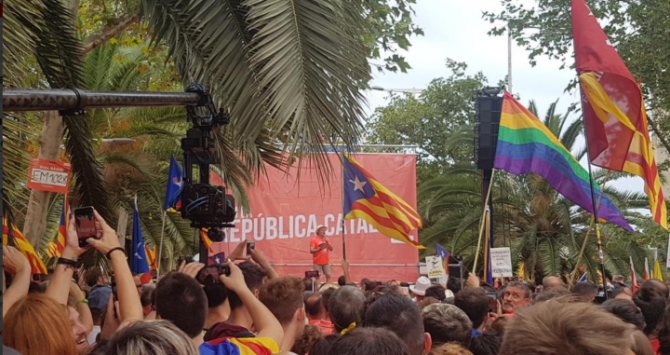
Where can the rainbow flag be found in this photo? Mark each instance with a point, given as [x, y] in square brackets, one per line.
[17, 240]
[366, 198]
[526, 145]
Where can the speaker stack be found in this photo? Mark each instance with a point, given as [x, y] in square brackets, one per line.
[488, 109]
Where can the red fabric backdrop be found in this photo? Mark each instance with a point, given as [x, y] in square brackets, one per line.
[284, 216]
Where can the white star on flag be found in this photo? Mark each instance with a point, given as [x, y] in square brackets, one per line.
[218, 260]
[137, 255]
[358, 184]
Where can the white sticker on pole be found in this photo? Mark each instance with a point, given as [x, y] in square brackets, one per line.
[501, 262]
[434, 267]
[667, 256]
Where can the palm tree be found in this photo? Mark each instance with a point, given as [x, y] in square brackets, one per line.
[289, 74]
[544, 230]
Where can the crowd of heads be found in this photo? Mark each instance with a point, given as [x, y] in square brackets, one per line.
[188, 311]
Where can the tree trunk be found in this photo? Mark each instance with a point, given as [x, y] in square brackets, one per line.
[96, 40]
[73, 6]
[50, 141]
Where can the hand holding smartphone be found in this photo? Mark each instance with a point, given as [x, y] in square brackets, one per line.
[250, 246]
[84, 220]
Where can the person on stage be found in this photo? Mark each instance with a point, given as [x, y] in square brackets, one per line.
[320, 247]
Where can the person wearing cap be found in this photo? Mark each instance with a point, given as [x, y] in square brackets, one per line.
[97, 302]
[320, 248]
[419, 288]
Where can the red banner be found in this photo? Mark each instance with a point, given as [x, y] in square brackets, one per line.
[285, 215]
[47, 175]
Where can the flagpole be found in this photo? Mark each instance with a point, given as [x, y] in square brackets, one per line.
[482, 223]
[160, 249]
[588, 232]
[596, 221]
[344, 226]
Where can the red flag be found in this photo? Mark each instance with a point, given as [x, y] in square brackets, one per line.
[646, 269]
[614, 113]
[633, 277]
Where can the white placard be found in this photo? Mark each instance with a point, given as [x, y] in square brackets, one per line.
[434, 267]
[501, 262]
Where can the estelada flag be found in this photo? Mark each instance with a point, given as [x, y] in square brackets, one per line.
[366, 198]
[175, 185]
[12, 236]
[614, 112]
[444, 254]
[138, 254]
[55, 247]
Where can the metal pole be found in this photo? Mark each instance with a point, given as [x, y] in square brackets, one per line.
[344, 226]
[160, 249]
[509, 60]
[76, 99]
[601, 254]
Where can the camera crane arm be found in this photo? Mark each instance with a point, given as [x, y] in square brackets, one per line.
[205, 205]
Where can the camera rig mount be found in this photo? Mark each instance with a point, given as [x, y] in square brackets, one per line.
[206, 206]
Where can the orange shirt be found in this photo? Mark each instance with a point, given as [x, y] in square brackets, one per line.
[320, 257]
[326, 326]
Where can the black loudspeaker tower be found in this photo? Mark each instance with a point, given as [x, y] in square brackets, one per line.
[488, 110]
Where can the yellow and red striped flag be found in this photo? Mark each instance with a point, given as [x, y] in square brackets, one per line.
[368, 199]
[55, 247]
[206, 240]
[17, 240]
[151, 257]
[614, 113]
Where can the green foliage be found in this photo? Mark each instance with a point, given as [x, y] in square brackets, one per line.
[638, 29]
[431, 120]
[390, 27]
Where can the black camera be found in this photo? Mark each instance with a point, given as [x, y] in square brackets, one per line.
[206, 206]
[210, 274]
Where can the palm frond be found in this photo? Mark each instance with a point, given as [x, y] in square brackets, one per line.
[18, 40]
[58, 54]
[292, 65]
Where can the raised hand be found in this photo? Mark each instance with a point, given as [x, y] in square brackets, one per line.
[238, 252]
[14, 261]
[108, 239]
[235, 281]
[191, 269]
[72, 249]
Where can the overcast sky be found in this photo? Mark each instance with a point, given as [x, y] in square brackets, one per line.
[455, 29]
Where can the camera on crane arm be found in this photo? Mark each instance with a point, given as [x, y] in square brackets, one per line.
[205, 205]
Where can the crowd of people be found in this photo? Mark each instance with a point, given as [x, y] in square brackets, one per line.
[248, 308]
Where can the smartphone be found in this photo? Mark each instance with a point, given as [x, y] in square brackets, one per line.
[250, 246]
[85, 224]
[209, 275]
[312, 274]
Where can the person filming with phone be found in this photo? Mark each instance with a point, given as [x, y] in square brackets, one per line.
[320, 248]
